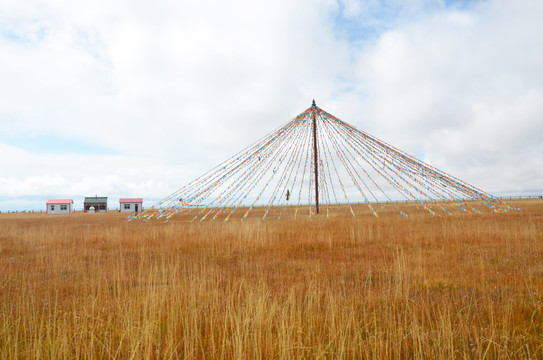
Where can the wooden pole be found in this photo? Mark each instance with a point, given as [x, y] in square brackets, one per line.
[315, 156]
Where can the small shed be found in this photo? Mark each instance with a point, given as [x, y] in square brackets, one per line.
[131, 205]
[59, 206]
[99, 203]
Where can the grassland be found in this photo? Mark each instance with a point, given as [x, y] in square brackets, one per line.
[96, 286]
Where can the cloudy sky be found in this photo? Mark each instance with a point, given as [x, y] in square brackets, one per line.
[136, 98]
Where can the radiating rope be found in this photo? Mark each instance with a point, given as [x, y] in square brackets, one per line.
[276, 174]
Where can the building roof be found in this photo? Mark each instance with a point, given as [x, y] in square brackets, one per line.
[96, 200]
[131, 200]
[59, 201]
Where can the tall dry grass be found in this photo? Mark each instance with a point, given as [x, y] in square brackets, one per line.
[96, 286]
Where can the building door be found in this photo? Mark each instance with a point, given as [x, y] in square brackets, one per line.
[136, 207]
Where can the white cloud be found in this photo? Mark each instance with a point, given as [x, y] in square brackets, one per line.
[464, 89]
[31, 177]
[166, 70]
[173, 87]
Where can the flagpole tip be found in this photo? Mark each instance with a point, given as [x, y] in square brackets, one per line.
[313, 104]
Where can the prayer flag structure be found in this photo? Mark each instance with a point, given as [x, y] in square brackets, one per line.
[314, 164]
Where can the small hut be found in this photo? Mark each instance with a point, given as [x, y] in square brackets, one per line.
[59, 206]
[131, 205]
[99, 203]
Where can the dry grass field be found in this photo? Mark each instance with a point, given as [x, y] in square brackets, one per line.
[97, 286]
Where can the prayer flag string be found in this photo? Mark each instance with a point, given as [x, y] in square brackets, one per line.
[275, 177]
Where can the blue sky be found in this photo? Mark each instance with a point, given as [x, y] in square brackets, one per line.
[365, 21]
[151, 95]
[54, 144]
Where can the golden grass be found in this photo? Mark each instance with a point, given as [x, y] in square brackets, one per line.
[96, 286]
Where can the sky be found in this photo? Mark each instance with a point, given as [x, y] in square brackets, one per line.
[137, 98]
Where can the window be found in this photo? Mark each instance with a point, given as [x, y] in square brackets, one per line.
[52, 207]
[102, 207]
[63, 207]
[126, 206]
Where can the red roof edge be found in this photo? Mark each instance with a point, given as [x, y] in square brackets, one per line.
[132, 200]
[59, 201]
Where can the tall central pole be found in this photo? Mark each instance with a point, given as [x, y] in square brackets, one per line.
[315, 157]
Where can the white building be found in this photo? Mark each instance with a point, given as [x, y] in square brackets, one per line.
[60, 206]
[131, 205]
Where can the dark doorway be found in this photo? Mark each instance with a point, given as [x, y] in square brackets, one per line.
[136, 207]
